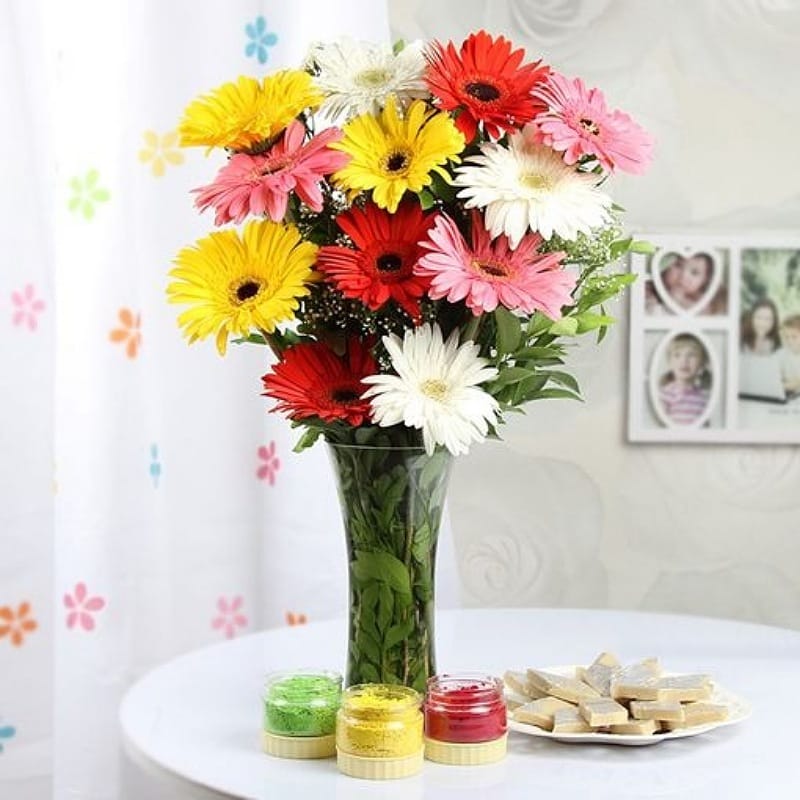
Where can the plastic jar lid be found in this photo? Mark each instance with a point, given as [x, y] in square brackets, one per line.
[379, 769]
[466, 754]
[299, 746]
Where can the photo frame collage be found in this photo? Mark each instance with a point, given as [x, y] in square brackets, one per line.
[715, 339]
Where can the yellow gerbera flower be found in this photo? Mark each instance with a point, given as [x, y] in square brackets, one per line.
[242, 114]
[239, 284]
[391, 153]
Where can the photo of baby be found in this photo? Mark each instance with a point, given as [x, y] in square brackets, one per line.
[684, 388]
[685, 285]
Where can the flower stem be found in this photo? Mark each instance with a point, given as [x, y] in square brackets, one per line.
[471, 328]
[272, 342]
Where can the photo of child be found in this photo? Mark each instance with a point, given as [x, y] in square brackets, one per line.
[685, 387]
[686, 281]
[760, 328]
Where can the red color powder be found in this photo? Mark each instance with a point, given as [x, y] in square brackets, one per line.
[465, 709]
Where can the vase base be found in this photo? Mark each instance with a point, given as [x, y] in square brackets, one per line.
[466, 754]
[379, 769]
[298, 746]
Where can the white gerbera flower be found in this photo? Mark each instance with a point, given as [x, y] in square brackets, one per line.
[435, 389]
[357, 78]
[528, 186]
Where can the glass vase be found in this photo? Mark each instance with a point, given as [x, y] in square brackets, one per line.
[392, 500]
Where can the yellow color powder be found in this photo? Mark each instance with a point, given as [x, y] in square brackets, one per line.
[380, 721]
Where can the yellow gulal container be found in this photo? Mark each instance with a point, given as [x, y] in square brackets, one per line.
[379, 732]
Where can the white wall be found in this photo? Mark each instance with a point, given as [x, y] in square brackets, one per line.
[564, 512]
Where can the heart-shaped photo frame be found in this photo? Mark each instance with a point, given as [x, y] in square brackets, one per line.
[686, 280]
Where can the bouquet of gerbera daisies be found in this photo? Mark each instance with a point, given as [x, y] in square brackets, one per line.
[417, 264]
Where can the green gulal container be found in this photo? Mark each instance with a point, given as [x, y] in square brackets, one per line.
[302, 703]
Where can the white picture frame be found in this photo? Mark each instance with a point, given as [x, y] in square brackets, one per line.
[714, 339]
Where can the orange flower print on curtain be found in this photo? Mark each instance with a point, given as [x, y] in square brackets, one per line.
[128, 332]
[16, 625]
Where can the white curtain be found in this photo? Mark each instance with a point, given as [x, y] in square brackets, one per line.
[149, 503]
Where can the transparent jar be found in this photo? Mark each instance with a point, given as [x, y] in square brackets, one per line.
[379, 731]
[300, 710]
[465, 719]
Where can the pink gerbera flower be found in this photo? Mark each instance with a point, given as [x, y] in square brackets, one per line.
[258, 184]
[490, 273]
[578, 124]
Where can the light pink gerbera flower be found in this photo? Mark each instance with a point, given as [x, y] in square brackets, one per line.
[578, 124]
[255, 184]
[490, 273]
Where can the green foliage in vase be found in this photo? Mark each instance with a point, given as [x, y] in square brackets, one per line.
[392, 501]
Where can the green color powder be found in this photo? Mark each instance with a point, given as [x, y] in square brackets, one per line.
[302, 705]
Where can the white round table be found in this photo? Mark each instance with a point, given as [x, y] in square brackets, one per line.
[199, 716]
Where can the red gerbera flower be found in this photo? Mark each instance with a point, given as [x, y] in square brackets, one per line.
[310, 380]
[486, 83]
[382, 266]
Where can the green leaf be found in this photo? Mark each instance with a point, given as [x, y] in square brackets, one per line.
[369, 597]
[442, 188]
[420, 678]
[398, 46]
[619, 248]
[421, 546]
[566, 326]
[588, 321]
[426, 199]
[642, 246]
[385, 607]
[524, 390]
[602, 330]
[369, 645]
[507, 377]
[423, 589]
[365, 435]
[539, 323]
[307, 440]
[536, 353]
[369, 673]
[253, 338]
[382, 566]
[509, 331]
[397, 633]
[564, 378]
[551, 394]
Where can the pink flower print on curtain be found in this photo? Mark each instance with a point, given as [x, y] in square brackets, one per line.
[230, 617]
[27, 307]
[269, 463]
[82, 607]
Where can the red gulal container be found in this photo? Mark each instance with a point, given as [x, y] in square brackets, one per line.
[465, 708]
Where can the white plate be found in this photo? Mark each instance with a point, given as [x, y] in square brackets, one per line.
[738, 710]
